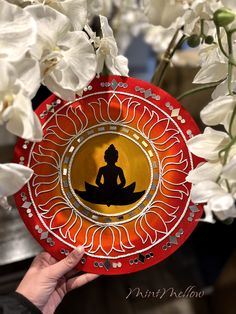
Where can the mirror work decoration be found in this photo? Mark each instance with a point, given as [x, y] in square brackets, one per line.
[110, 174]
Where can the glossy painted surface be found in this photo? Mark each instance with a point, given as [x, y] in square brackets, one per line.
[149, 129]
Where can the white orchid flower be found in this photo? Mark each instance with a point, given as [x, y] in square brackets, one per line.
[166, 13]
[165, 17]
[213, 184]
[67, 59]
[206, 171]
[159, 37]
[214, 72]
[219, 111]
[174, 14]
[209, 144]
[75, 10]
[17, 31]
[219, 201]
[208, 215]
[200, 9]
[223, 206]
[12, 178]
[15, 105]
[107, 51]
[28, 73]
[203, 191]
[214, 67]
[99, 7]
[168, 16]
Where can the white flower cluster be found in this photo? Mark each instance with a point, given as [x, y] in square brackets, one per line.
[214, 182]
[185, 15]
[51, 43]
[210, 26]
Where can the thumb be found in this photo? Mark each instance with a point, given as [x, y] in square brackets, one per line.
[68, 263]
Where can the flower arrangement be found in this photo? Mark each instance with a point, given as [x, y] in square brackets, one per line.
[53, 43]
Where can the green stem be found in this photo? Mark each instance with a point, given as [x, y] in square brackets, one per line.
[226, 150]
[228, 186]
[231, 122]
[230, 59]
[179, 44]
[230, 70]
[160, 71]
[164, 61]
[202, 27]
[220, 42]
[231, 62]
[196, 90]
[232, 31]
[229, 34]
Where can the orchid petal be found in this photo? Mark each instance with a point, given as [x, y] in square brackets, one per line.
[108, 52]
[203, 191]
[105, 27]
[211, 73]
[214, 140]
[219, 111]
[75, 10]
[7, 77]
[28, 72]
[76, 68]
[207, 171]
[223, 206]
[208, 215]
[17, 31]
[13, 177]
[51, 26]
[21, 120]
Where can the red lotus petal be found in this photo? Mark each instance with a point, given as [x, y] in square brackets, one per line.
[37, 179]
[107, 240]
[155, 221]
[66, 125]
[66, 228]
[61, 218]
[45, 169]
[54, 209]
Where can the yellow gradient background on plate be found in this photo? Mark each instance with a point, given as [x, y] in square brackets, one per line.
[90, 157]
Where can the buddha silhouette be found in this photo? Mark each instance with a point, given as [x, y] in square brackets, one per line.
[110, 192]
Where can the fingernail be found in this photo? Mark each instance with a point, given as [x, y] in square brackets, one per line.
[80, 249]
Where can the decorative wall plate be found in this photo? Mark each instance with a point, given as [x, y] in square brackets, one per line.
[110, 174]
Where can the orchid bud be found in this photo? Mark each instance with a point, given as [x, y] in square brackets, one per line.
[193, 41]
[209, 40]
[223, 17]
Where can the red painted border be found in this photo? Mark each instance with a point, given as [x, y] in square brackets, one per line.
[159, 254]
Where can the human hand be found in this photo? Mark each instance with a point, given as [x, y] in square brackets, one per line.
[45, 283]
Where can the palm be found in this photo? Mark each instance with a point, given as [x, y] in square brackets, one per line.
[47, 281]
[56, 297]
[57, 289]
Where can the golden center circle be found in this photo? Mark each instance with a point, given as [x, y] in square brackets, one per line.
[89, 159]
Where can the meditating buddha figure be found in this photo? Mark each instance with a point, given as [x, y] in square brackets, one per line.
[108, 191]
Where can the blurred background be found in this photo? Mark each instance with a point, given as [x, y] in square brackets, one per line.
[206, 261]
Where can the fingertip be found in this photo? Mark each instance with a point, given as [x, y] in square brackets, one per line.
[81, 280]
[95, 275]
[80, 249]
[92, 277]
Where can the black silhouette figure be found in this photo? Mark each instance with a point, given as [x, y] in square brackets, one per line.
[110, 192]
